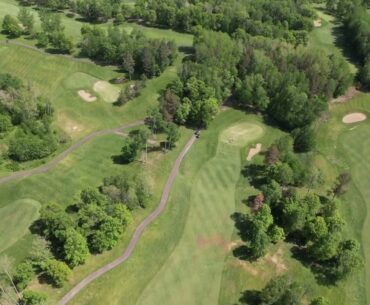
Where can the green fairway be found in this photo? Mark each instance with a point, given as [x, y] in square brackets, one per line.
[16, 217]
[179, 259]
[87, 166]
[328, 37]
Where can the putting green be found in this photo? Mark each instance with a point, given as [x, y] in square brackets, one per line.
[240, 134]
[194, 269]
[80, 80]
[108, 92]
[16, 218]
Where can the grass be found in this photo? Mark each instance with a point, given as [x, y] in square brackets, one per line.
[87, 166]
[328, 37]
[179, 259]
[15, 221]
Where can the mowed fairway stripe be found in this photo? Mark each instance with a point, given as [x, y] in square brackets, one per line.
[192, 273]
[357, 149]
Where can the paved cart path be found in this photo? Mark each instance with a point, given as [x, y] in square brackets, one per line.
[139, 231]
[54, 162]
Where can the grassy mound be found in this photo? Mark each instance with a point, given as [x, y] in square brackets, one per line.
[16, 218]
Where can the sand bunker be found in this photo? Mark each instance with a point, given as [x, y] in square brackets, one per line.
[254, 151]
[107, 91]
[317, 23]
[354, 118]
[86, 96]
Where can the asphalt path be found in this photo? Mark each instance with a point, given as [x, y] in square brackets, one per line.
[139, 231]
[54, 162]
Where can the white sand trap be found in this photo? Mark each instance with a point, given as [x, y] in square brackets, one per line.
[354, 118]
[107, 91]
[317, 23]
[86, 96]
[254, 151]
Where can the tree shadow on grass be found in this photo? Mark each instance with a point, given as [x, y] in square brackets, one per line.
[244, 227]
[321, 270]
[250, 297]
[118, 159]
[255, 174]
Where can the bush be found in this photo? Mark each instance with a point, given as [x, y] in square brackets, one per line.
[58, 272]
[28, 147]
[11, 27]
[23, 274]
[33, 298]
[5, 123]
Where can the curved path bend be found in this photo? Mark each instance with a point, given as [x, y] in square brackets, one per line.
[139, 231]
[54, 162]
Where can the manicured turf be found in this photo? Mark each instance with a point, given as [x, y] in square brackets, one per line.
[16, 217]
[328, 37]
[179, 259]
[87, 167]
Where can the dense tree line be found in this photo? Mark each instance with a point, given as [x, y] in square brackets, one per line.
[289, 20]
[31, 117]
[310, 221]
[135, 53]
[356, 22]
[290, 84]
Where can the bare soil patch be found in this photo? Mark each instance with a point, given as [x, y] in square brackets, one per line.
[317, 23]
[354, 118]
[254, 151]
[351, 92]
[86, 96]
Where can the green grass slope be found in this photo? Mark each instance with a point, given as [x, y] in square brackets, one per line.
[16, 217]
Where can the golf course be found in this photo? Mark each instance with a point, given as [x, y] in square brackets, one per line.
[182, 155]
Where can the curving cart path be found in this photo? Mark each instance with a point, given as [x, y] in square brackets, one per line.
[139, 231]
[53, 163]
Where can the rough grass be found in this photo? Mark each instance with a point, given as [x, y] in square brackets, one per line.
[16, 217]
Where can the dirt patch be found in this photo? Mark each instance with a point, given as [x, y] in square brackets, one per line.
[351, 92]
[254, 151]
[354, 118]
[317, 23]
[216, 240]
[276, 260]
[86, 96]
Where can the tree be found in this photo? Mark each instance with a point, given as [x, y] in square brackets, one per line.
[58, 272]
[258, 202]
[304, 139]
[173, 134]
[75, 248]
[252, 92]
[129, 150]
[276, 233]
[340, 186]
[320, 301]
[272, 154]
[128, 63]
[107, 235]
[61, 42]
[272, 192]
[24, 273]
[40, 252]
[11, 27]
[33, 298]
[5, 123]
[25, 16]
[348, 260]
[281, 291]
